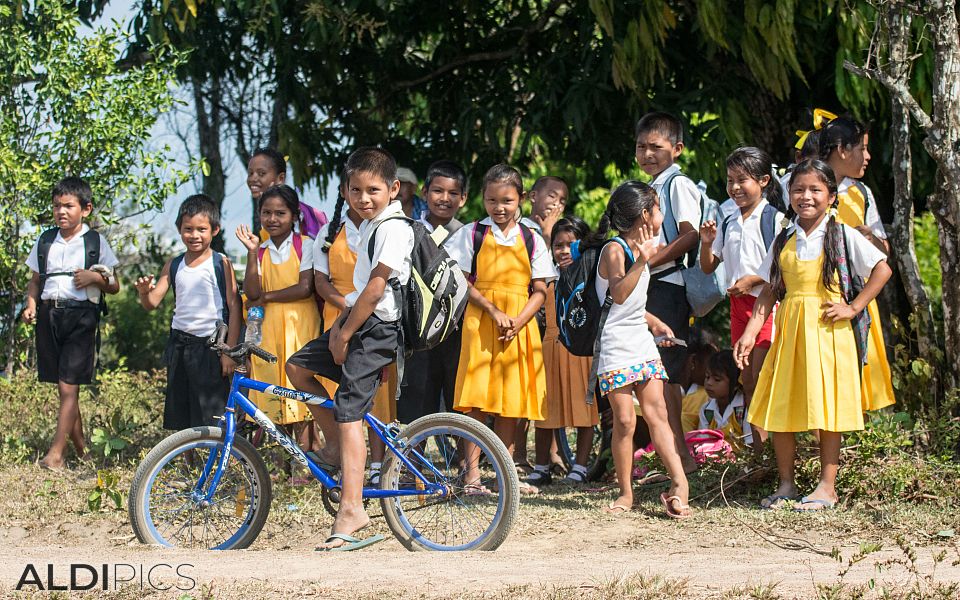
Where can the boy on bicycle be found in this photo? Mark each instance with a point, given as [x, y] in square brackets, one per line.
[365, 339]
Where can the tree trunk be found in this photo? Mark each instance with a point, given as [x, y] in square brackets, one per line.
[943, 144]
[208, 132]
[902, 239]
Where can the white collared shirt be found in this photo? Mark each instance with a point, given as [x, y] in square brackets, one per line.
[67, 257]
[872, 216]
[721, 419]
[279, 255]
[741, 248]
[393, 244]
[531, 224]
[460, 247]
[863, 256]
[321, 259]
[685, 204]
[727, 208]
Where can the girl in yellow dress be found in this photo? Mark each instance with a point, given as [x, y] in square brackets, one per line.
[279, 277]
[843, 145]
[335, 257]
[810, 380]
[568, 376]
[501, 359]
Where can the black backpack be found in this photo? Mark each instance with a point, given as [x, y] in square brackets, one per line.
[580, 315]
[91, 256]
[768, 224]
[433, 300]
[218, 263]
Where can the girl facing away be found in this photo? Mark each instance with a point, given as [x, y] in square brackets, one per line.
[500, 372]
[629, 362]
[811, 380]
[568, 376]
[843, 145]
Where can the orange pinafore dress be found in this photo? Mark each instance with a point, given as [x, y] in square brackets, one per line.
[343, 260]
[567, 378]
[811, 377]
[499, 377]
[877, 378]
[287, 327]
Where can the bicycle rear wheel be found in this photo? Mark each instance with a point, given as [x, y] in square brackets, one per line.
[165, 507]
[475, 515]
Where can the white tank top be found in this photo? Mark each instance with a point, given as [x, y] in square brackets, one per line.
[198, 304]
[626, 339]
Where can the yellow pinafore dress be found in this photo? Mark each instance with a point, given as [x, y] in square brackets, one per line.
[497, 377]
[811, 377]
[287, 327]
[567, 378]
[877, 379]
[343, 260]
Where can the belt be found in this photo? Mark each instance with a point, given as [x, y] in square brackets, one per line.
[66, 303]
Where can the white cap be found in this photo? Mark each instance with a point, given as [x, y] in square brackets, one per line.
[406, 175]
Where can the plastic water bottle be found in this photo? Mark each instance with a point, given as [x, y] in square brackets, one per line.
[254, 326]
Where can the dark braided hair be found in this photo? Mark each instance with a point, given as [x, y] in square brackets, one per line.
[831, 238]
[840, 132]
[333, 228]
[625, 206]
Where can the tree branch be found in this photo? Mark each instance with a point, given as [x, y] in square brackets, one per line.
[896, 88]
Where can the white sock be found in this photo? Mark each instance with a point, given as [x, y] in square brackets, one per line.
[580, 468]
[375, 466]
[541, 468]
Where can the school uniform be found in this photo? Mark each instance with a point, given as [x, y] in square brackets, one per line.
[855, 209]
[503, 378]
[811, 377]
[693, 400]
[628, 352]
[568, 379]
[287, 326]
[67, 335]
[338, 265]
[741, 247]
[430, 376]
[374, 345]
[731, 421]
[196, 389]
[667, 297]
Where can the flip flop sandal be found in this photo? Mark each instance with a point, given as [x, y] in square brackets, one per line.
[574, 477]
[653, 478]
[616, 509]
[539, 478]
[776, 501]
[823, 505]
[528, 490]
[668, 506]
[477, 489]
[349, 542]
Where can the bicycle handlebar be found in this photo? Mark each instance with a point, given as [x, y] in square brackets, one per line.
[238, 353]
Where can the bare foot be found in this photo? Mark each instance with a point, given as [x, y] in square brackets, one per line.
[622, 504]
[348, 522]
[53, 463]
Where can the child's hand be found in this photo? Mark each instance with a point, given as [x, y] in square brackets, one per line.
[227, 366]
[741, 287]
[247, 238]
[145, 285]
[511, 332]
[338, 346]
[837, 311]
[649, 244]
[82, 278]
[659, 329]
[708, 232]
[29, 314]
[550, 218]
[865, 232]
[503, 321]
[741, 352]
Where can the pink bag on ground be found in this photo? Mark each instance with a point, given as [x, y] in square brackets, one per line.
[703, 444]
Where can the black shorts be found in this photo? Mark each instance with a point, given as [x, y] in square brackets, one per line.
[429, 380]
[196, 389]
[67, 343]
[372, 347]
[668, 302]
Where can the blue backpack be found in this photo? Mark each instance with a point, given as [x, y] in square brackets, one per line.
[703, 291]
[580, 315]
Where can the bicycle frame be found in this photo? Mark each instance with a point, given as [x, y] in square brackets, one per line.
[238, 402]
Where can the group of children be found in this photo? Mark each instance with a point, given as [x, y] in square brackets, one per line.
[782, 244]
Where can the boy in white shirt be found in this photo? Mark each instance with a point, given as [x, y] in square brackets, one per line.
[63, 298]
[366, 338]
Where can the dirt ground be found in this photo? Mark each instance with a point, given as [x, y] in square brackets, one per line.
[562, 546]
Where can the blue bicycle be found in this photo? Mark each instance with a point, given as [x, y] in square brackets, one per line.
[207, 487]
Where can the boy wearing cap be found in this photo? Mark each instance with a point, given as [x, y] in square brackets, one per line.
[413, 205]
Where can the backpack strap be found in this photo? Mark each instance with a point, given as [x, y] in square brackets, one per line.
[670, 227]
[91, 248]
[174, 267]
[726, 223]
[528, 241]
[298, 245]
[373, 234]
[866, 197]
[768, 224]
[479, 232]
[219, 272]
[260, 252]
[43, 251]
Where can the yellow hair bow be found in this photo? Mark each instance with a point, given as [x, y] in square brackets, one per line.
[820, 118]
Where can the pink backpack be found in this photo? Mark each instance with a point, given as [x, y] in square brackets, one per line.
[704, 445]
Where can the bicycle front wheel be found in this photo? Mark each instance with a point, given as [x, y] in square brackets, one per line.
[480, 480]
[168, 508]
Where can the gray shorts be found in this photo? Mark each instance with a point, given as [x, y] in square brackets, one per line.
[372, 348]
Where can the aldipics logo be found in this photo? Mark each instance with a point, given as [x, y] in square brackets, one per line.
[107, 577]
